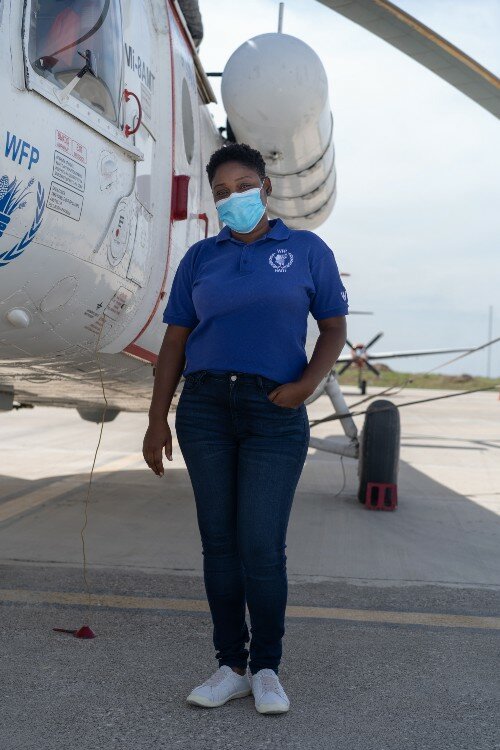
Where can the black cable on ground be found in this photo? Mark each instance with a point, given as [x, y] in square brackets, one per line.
[333, 417]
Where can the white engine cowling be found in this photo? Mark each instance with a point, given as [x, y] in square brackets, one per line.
[275, 92]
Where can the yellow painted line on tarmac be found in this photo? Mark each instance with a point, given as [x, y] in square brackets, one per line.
[26, 596]
[398, 618]
[29, 500]
[431, 619]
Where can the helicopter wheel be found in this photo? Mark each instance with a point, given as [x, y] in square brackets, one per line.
[379, 446]
[97, 414]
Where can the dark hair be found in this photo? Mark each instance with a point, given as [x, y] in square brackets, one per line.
[240, 152]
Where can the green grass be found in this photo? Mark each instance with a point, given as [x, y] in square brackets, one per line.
[418, 380]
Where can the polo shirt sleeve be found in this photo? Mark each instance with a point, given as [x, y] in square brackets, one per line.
[180, 309]
[330, 297]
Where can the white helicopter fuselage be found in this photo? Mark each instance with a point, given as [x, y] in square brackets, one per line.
[93, 243]
[105, 133]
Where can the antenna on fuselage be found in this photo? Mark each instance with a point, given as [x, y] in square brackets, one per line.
[280, 18]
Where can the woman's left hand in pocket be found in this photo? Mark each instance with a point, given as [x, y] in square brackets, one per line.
[290, 394]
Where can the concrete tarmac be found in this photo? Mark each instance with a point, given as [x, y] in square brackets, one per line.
[393, 617]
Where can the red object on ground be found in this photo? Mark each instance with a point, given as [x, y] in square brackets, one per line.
[83, 632]
[381, 496]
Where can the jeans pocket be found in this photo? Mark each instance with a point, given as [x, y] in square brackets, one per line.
[192, 381]
[266, 385]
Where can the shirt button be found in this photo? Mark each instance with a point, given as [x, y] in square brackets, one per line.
[233, 377]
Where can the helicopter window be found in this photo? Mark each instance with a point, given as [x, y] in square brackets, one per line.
[187, 122]
[66, 35]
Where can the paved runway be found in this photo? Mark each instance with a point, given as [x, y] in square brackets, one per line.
[392, 625]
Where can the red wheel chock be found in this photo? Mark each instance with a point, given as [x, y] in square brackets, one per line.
[381, 496]
[83, 632]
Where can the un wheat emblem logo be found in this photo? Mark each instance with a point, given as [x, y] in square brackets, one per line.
[281, 260]
[13, 198]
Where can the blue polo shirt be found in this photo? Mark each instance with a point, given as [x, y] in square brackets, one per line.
[248, 303]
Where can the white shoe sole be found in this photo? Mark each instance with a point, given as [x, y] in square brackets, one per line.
[199, 700]
[271, 708]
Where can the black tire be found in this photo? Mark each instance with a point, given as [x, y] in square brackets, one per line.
[363, 387]
[379, 446]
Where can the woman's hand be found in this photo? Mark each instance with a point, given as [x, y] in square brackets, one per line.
[290, 394]
[328, 346]
[157, 436]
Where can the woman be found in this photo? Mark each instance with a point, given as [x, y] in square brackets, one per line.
[238, 311]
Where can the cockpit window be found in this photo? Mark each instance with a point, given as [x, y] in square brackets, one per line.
[62, 32]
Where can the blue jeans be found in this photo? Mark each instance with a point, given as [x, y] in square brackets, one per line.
[244, 455]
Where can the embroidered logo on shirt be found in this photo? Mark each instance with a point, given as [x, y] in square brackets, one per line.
[281, 260]
[343, 295]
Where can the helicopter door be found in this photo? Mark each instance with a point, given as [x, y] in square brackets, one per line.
[141, 49]
[176, 153]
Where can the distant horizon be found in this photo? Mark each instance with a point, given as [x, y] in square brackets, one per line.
[421, 373]
[416, 221]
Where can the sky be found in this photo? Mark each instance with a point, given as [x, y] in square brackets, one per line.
[416, 222]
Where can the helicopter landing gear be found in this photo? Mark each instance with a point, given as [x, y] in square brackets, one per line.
[379, 446]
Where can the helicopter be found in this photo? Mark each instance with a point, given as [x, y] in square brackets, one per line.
[361, 358]
[105, 130]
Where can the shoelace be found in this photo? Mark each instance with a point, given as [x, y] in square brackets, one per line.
[216, 678]
[270, 683]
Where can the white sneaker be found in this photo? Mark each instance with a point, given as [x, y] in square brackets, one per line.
[222, 686]
[270, 698]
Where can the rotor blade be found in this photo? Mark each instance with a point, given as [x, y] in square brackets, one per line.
[349, 344]
[373, 369]
[345, 367]
[394, 355]
[387, 21]
[374, 339]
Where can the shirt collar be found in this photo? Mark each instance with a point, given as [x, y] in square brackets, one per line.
[278, 231]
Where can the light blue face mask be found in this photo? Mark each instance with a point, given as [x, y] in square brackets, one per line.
[241, 211]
